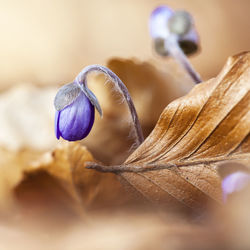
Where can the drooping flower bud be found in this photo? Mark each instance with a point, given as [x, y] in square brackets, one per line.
[165, 22]
[75, 113]
[75, 106]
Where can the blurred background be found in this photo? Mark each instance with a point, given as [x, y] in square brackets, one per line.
[45, 44]
[49, 42]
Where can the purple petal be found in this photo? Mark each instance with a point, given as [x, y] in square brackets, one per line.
[158, 22]
[57, 117]
[234, 182]
[76, 120]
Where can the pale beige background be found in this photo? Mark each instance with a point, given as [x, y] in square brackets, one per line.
[49, 42]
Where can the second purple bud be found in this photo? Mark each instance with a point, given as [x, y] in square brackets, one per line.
[165, 22]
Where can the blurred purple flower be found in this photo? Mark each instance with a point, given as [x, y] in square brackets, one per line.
[234, 182]
[76, 119]
[158, 22]
[164, 22]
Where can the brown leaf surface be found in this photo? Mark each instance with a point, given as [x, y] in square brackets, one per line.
[59, 181]
[12, 166]
[55, 184]
[208, 126]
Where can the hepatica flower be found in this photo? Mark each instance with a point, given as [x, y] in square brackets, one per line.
[173, 33]
[76, 114]
[234, 183]
[75, 106]
[165, 22]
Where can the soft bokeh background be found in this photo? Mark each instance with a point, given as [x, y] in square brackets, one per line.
[51, 41]
[45, 44]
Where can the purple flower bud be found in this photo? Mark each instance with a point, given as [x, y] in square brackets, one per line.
[164, 22]
[234, 182]
[75, 106]
[158, 22]
[75, 118]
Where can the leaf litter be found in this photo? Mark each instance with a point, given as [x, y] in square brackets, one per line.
[177, 164]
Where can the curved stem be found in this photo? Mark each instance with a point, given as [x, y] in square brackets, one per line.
[172, 46]
[81, 80]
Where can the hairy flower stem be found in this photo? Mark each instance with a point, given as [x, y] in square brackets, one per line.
[172, 46]
[81, 80]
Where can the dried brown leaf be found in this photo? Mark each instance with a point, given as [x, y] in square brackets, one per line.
[12, 166]
[194, 134]
[58, 182]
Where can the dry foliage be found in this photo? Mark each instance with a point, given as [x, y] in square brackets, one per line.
[59, 181]
[56, 184]
[195, 133]
[27, 132]
[51, 201]
[54, 194]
